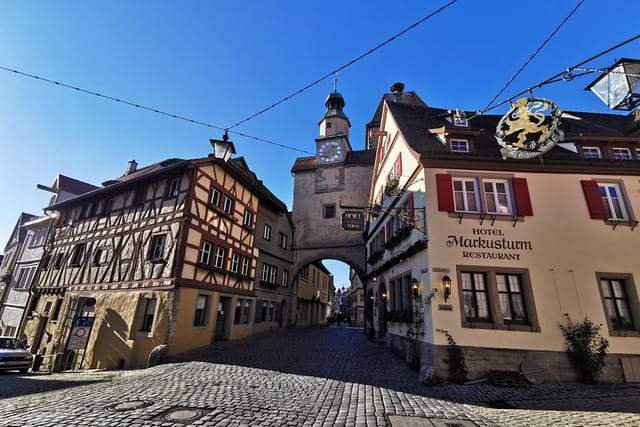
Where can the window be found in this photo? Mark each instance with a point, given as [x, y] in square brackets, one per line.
[215, 198]
[459, 146]
[77, 254]
[282, 242]
[497, 299]
[591, 153]
[465, 195]
[248, 218]
[617, 303]
[97, 257]
[285, 278]
[174, 188]
[25, 276]
[220, 257]
[202, 306]
[57, 262]
[228, 204]
[612, 199]
[245, 266]
[621, 153]
[235, 262]
[329, 211]
[149, 305]
[495, 196]
[56, 309]
[266, 234]
[241, 314]
[156, 249]
[108, 207]
[205, 252]
[511, 298]
[39, 237]
[269, 273]
[139, 196]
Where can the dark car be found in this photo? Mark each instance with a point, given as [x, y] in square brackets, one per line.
[13, 355]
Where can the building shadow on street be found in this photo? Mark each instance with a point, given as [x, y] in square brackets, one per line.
[14, 384]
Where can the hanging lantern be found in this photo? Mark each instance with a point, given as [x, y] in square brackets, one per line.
[222, 149]
[619, 86]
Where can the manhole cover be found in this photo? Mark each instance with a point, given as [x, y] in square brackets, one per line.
[129, 405]
[182, 415]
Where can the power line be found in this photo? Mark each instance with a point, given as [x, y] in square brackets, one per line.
[353, 61]
[561, 76]
[143, 107]
[553, 33]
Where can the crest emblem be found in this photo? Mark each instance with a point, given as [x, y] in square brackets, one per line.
[529, 129]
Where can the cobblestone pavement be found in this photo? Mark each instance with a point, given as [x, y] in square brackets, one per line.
[312, 377]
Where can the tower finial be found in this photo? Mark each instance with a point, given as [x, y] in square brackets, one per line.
[335, 82]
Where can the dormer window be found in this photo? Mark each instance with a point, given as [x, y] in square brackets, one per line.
[591, 153]
[621, 153]
[459, 119]
[459, 145]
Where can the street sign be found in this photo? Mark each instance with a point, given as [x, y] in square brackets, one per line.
[353, 220]
[80, 332]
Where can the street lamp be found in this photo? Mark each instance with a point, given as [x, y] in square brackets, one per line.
[223, 149]
[619, 86]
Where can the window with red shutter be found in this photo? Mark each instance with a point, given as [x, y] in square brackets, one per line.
[594, 200]
[445, 192]
[399, 165]
[521, 195]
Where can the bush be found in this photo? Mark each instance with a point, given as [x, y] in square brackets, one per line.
[456, 360]
[586, 348]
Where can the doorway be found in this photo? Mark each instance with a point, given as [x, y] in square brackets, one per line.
[222, 319]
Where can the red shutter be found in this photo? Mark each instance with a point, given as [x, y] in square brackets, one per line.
[445, 192]
[399, 166]
[521, 194]
[594, 200]
[410, 209]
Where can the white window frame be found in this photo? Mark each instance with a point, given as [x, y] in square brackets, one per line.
[610, 201]
[283, 241]
[265, 272]
[148, 317]
[156, 248]
[205, 252]
[621, 153]
[227, 204]
[456, 145]
[285, 278]
[202, 306]
[591, 153]
[235, 262]
[174, 188]
[465, 194]
[495, 195]
[266, 234]
[221, 254]
[216, 196]
[245, 266]
[248, 218]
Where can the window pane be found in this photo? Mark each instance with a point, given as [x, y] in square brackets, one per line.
[505, 308]
[483, 306]
[500, 281]
[478, 279]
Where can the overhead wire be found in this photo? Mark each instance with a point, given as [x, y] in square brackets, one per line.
[342, 67]
[143, 107]
[561, 76]
[517, 73]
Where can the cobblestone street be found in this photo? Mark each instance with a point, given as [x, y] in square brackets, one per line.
[315, 377]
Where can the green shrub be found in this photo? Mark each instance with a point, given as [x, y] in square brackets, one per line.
[586, 348]
[456, 360]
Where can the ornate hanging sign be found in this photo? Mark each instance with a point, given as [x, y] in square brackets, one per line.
[529, 129]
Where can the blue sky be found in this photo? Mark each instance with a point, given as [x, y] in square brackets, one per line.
[220, 62]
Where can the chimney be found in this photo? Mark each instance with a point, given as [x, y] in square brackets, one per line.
[132, 166]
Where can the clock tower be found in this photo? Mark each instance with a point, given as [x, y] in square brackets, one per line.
[333, 143]
[329, 190]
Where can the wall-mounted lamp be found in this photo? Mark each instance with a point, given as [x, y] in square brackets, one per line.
[415, 288]
[385, 295]
[446, 285]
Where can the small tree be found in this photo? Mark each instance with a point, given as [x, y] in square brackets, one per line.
[586, 348]
[456, 360]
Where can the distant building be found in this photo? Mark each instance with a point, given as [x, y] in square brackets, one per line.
[312, 286]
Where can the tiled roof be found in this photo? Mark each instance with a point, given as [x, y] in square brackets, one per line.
[352, 158]
[241, 167]
[73, 186]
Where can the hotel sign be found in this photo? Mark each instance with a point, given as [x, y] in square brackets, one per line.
[353, 220]
[489, 243]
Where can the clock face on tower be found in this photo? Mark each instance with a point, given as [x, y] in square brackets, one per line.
[330, 152]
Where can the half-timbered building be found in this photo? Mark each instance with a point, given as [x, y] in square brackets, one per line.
[163, 255]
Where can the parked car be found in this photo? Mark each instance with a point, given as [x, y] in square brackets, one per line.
[13, 355]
